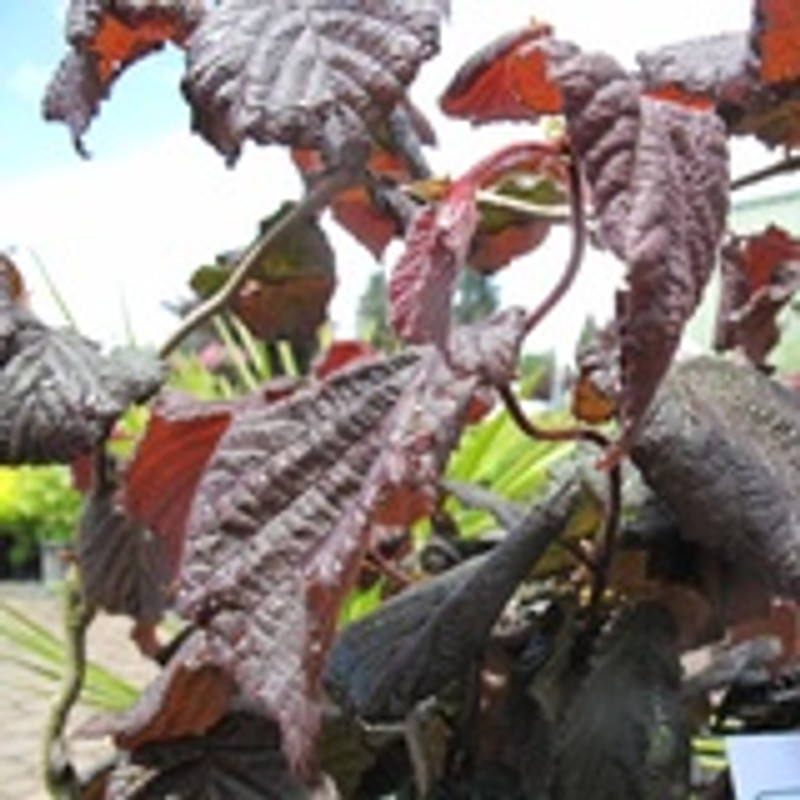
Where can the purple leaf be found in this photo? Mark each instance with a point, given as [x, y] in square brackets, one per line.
[277, 528]
[423, 279]
[123, 567]
[624, 735]
[658, 173]
[106, 37]
[238, 758]
[679, 203]
[74, 94]
[60, 396]
[311, 73]
[427, 636]
[285, 500]
[722, 447]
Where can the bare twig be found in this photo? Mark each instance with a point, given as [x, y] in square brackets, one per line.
[783, 167]
[534, 431]
[318, 196]
[59, 774]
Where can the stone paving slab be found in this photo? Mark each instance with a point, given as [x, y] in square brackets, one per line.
[25, 696]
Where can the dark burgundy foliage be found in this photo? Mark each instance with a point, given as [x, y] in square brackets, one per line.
[106, 37]
[658, 175]
[190, 695]
[749, 77]
[539, 658]
[162, 477]
[503, 81]
[624, 736]
[432, 634]
[760, 276]
[423, 279]
[317, 75]
[721, 448]
[123, 567]
[59, 394]
[239, 757]
[287, 293]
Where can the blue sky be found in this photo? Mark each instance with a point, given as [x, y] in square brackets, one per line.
[129, 226]
[32, 46]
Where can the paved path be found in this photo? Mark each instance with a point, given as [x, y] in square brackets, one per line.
[25, 696]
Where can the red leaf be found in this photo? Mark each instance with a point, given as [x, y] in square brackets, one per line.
[10, 274]
[764, 254]
[395, 159]
[188, 697]
[760, 275]
[422, 281]
[441, 237]
[286, 295]
[161, 480]
[106, 38]
[283, 506]
[340, 354]
[778, 37]
[506, 80]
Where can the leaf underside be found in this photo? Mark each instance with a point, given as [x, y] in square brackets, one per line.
[658, 173]
[624, 738]
[106, 37]
[123, 569]
[722, 448]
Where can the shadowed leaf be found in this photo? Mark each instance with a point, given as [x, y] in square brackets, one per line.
[721, 448]
[369, 210]
[427, 636]
[123, 569]
[287, 293]
[309, 74]
[504, 233]
[238, 758]
[187, 698]
[624, 737]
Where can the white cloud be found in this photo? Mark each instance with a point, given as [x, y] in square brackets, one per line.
[135, 228]
[28, 81]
